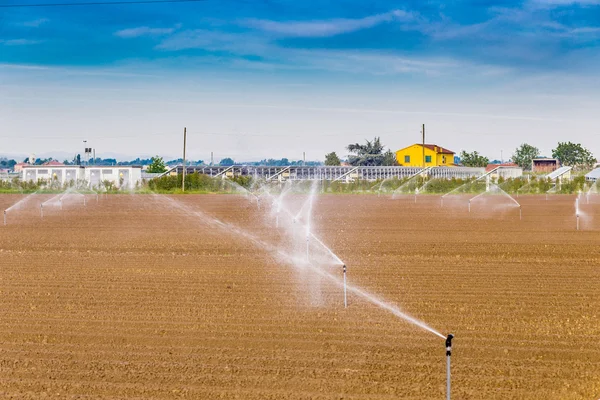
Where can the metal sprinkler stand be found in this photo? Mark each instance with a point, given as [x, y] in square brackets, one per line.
[4, 217]
[520, 214]
[42, 210]
[307, 245]
[448, 355]
[345, 292]
[469, 205]
[577, 212]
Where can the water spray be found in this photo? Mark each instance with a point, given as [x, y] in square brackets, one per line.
[345, 293]
[448, 356]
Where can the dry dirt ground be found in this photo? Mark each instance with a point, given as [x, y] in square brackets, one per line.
[149, 297]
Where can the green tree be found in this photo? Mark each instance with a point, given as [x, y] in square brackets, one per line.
[473, 159]
[332, 159]
[389, 159]
[157, 165]
[524, 155]
[369, 154]
[573, 155]
[227, 162]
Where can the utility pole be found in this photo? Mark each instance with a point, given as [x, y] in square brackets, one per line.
[304, 159]
[183, 177]
[211, 158]
[423, 145]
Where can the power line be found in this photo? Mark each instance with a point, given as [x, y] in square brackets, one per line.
[99, 3]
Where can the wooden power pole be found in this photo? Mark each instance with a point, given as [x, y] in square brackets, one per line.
[423, 145]
[183, 177]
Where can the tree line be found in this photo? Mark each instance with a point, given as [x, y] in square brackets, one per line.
[373, 153]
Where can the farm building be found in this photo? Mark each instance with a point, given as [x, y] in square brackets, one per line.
[545, 165]
[60, 173]
[435, 156]
[125, 177]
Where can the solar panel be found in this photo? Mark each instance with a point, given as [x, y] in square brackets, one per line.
[593, 175]
[558, 173]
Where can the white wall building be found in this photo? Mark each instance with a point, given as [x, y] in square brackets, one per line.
[123, 177]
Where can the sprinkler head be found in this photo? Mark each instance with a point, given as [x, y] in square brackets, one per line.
[449, 345]
[344, 268]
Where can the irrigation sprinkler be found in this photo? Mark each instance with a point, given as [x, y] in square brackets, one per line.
[469, 205]
[60, 201]
[307, 245]
[96, 197]
[577, 212]
[448, 355]
[42, 210]
[345, 294]
[84, 201]
[4, 217]
[520, 213]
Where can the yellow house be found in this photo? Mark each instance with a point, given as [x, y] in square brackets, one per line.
[435, 156]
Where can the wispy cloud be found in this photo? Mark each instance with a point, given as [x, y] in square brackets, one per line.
[35, 23]
[325, 28]
[215, 41]
[251, 51]
[19, 42]
[144, 31]
[562, 3]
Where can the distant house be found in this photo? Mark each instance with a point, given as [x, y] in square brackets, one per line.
[435, 156]
[19, 167]
[545, 165]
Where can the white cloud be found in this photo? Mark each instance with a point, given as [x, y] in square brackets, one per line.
[324, 28]
[143, 31]
[267, 55]
[35, 23]
[19, 42]
[562, 3]
[241, 44]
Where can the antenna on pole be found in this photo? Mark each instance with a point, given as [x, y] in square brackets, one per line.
[423, 132]
[183, 176]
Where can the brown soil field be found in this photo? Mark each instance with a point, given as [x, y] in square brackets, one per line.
[147, 297]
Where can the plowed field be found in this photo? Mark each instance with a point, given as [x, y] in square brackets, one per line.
[149, 297]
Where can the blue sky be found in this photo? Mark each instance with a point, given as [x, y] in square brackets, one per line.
[273, 78]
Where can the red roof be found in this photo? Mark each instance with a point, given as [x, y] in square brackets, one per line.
[491, 167]
[438, 149]
[53, 163]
